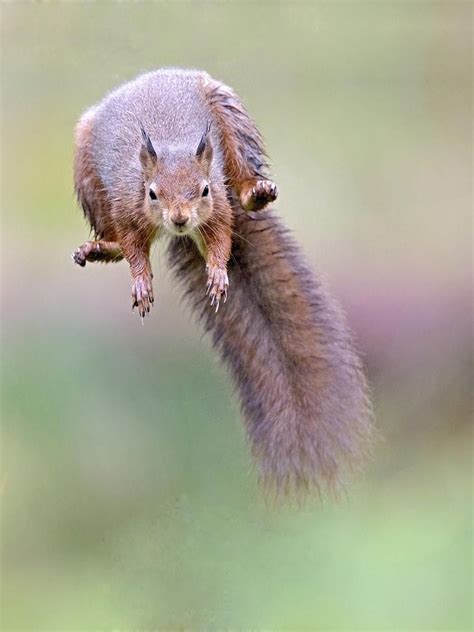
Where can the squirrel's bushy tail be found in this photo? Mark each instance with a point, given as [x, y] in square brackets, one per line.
[303, 393]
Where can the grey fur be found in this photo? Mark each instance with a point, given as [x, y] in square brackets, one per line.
[169, 104]
[299, 379]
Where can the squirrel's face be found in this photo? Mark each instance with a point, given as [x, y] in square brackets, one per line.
[177, 190]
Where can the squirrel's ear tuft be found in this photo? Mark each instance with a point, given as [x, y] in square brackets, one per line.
[204, 150]
[148, 157]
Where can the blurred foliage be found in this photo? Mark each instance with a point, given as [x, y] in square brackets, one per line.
[128, 495]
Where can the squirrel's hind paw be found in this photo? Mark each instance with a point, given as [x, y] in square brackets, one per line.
[98, 250]
[257, 197]
[80, 255]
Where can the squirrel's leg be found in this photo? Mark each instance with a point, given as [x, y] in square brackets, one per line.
[244, 152]
[104, 251]
[137, 252]
[215, 244]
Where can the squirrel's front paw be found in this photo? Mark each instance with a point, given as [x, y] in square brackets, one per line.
[258, 196]
[142, 294]
[217, 284]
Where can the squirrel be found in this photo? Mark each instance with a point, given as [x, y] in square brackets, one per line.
[159, 154]
[175, 152]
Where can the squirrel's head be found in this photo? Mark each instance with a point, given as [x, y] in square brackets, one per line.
[177, 184]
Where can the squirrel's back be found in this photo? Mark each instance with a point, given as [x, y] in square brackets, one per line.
[169, 104]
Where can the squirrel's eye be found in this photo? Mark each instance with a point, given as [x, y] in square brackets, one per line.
[205, 191]
[152, 194]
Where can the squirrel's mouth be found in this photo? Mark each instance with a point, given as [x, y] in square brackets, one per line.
[179, 229]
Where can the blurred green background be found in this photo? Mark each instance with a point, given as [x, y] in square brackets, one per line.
[128, 496]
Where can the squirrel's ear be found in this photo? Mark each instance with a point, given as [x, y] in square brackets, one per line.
[204, 151]
[148, 157]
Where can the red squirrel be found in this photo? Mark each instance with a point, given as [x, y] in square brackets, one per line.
[159, 154]
[175, 152]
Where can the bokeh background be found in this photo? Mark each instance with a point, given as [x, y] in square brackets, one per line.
[128, 496]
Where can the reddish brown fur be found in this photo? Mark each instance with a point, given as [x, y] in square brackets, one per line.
[242, 143]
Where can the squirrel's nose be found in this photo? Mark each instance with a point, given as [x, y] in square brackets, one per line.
[180, 221]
